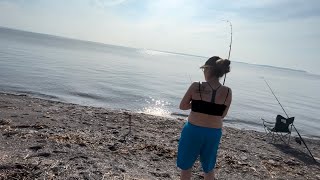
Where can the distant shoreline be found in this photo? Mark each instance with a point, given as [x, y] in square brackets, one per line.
[164, 51]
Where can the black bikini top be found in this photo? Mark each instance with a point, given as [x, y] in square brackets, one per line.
[210, 108]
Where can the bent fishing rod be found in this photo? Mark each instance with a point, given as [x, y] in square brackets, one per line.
[288, 118]
[225, 75]
[230, 45]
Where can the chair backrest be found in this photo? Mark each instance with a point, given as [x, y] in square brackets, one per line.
[282, 124]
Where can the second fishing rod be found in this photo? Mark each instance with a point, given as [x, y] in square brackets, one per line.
[292, 124]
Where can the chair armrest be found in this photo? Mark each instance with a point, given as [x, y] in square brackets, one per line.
[264, 121]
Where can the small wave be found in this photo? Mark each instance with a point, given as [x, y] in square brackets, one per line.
[241, 121]
[229, 120]
[86, 95]
[179, 114]
[34, 94]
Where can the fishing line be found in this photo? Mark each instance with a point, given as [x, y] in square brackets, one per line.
[190, 78]
[275, 97]
[230, 45]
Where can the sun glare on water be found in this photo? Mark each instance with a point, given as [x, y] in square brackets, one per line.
[156, 107]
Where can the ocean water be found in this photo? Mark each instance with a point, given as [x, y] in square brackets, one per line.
[149, 81]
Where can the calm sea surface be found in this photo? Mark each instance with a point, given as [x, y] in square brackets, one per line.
[148, 81]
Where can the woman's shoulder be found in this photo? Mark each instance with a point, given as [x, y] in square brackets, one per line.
[196, 83]
[226, 88]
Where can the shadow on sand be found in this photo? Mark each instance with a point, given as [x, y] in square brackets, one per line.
[297, 153]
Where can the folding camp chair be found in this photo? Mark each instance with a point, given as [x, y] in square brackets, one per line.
[281, 129]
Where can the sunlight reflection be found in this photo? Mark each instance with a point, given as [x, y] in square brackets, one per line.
[156, 107]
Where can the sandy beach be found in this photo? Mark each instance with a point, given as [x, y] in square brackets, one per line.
[42, 139]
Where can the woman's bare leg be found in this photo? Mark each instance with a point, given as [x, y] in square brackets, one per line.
[209, 175]
[185, 174]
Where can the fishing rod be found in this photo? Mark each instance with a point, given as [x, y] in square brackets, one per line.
[288, 118]
[225, 75]
[230, 45]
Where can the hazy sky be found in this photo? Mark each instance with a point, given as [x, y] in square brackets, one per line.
[283, 33]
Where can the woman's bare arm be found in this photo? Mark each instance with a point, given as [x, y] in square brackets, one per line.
[185, 103]
[228, 103]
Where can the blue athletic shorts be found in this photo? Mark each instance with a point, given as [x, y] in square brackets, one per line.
[195, 141]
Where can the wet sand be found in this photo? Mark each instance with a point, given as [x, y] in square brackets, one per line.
[52, 140]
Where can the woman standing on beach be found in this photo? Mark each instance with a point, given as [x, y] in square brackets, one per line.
[209, 103]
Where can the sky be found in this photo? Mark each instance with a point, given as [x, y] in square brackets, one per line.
[283, 33]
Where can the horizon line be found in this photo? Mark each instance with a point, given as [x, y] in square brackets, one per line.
[164, 51]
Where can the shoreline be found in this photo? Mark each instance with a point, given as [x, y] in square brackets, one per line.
[239, 124]
[50, 139]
